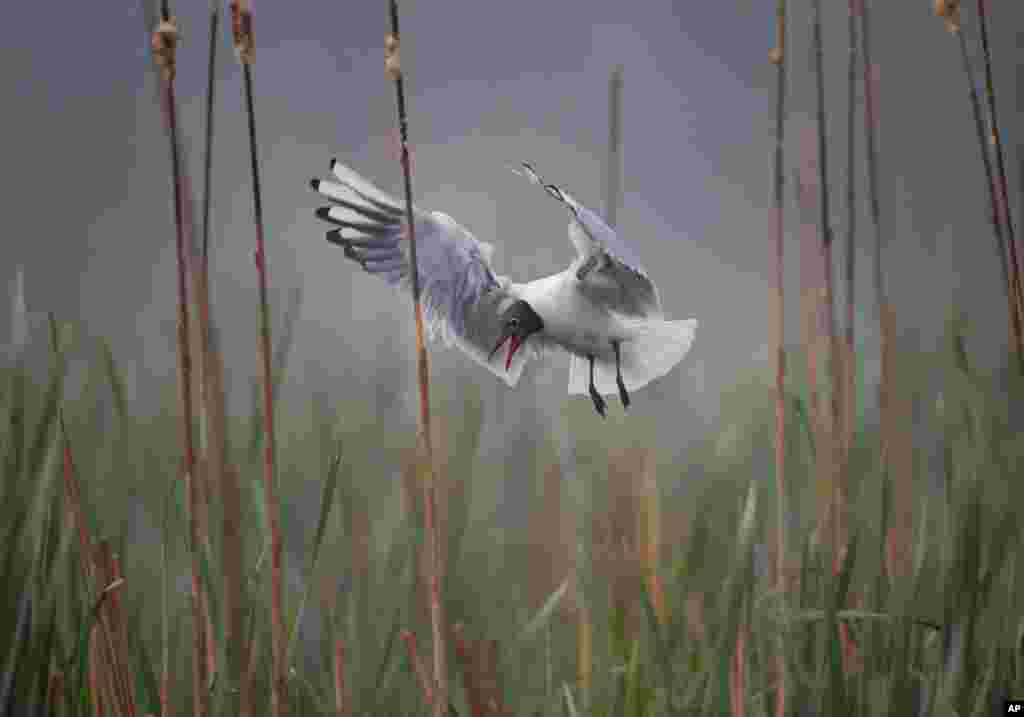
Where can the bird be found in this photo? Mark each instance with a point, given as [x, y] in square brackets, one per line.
[603, 309]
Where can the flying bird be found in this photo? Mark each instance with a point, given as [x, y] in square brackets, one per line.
[603, 309]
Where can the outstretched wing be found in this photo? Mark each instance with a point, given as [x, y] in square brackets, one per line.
[462, 296]
[608, 268]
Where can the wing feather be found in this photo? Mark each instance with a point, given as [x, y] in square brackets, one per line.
[610, 270]
[462, 296]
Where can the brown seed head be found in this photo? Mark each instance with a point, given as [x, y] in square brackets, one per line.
[775, 56]
[392, 57]
[164, 43]
[946, 8]
[241, 30]
[953, 20]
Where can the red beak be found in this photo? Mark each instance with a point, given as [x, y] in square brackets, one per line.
[513, 346]
[501, 342]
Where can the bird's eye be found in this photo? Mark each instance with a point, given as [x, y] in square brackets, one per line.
[513, 323]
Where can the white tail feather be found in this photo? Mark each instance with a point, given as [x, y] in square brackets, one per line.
[656, 347]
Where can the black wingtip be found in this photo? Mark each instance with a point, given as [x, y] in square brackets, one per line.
[324, 213]
[315, 184]
[334, 163]
[334, 237]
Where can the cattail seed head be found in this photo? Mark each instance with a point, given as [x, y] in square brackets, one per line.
[164, 43]
[953, 20]
[950, 10]
[775, 56]
[241, 30]
[392, 57]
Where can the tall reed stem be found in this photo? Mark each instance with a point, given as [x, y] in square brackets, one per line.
[341, 705]
[849, 357]
[871, 150]
[848, 362]
[1010, 278]
[211, 84]
[778, 58]
[242, 30]
[1000, 195]
[164, 43]
[439, 704]
[898, 540]
[825, 227]
[218, 471]
[613, 176]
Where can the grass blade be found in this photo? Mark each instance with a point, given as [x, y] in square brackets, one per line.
[540, 620]
[326, 503]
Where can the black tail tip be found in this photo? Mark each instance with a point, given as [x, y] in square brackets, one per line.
[314, 185]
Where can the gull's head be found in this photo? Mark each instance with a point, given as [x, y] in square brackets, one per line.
[518, 322]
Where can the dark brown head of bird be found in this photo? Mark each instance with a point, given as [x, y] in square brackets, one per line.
[518, 321]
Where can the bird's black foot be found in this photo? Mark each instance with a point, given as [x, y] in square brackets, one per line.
[623, 393]
[597, 398]
[599, 402]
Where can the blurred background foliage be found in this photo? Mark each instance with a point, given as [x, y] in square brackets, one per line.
[947, 636]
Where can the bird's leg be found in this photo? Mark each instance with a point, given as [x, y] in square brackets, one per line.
[597, 398]
[623, 394]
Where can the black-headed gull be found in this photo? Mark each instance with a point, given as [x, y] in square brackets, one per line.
[603, 309]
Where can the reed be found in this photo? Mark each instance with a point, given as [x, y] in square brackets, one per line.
[849, 362]
[950, 11]
[164, 44]
[777, 57]
[447, 490]
[242, 33]
[1002, 207]
[896, 451]
[341, 702]
[419, 668]
[217, 481]
[723, 664]
[738, 682]
[619, 540]
[830, 426]
[221, 478]
[650, 539]
[847, 358]
[613, 171]
[464, 651]
[811, 296]
[440, 678]
[478, 661]
[552, 536]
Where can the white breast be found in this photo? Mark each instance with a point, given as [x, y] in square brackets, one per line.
[570, 319]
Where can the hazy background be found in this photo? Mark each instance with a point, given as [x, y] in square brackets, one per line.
[87, 205]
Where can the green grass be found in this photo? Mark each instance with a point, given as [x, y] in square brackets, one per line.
[949, 634]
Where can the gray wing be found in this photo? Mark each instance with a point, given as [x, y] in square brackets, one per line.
[462, 296]
[608, 268]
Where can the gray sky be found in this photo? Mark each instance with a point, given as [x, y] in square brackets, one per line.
[88, 208]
